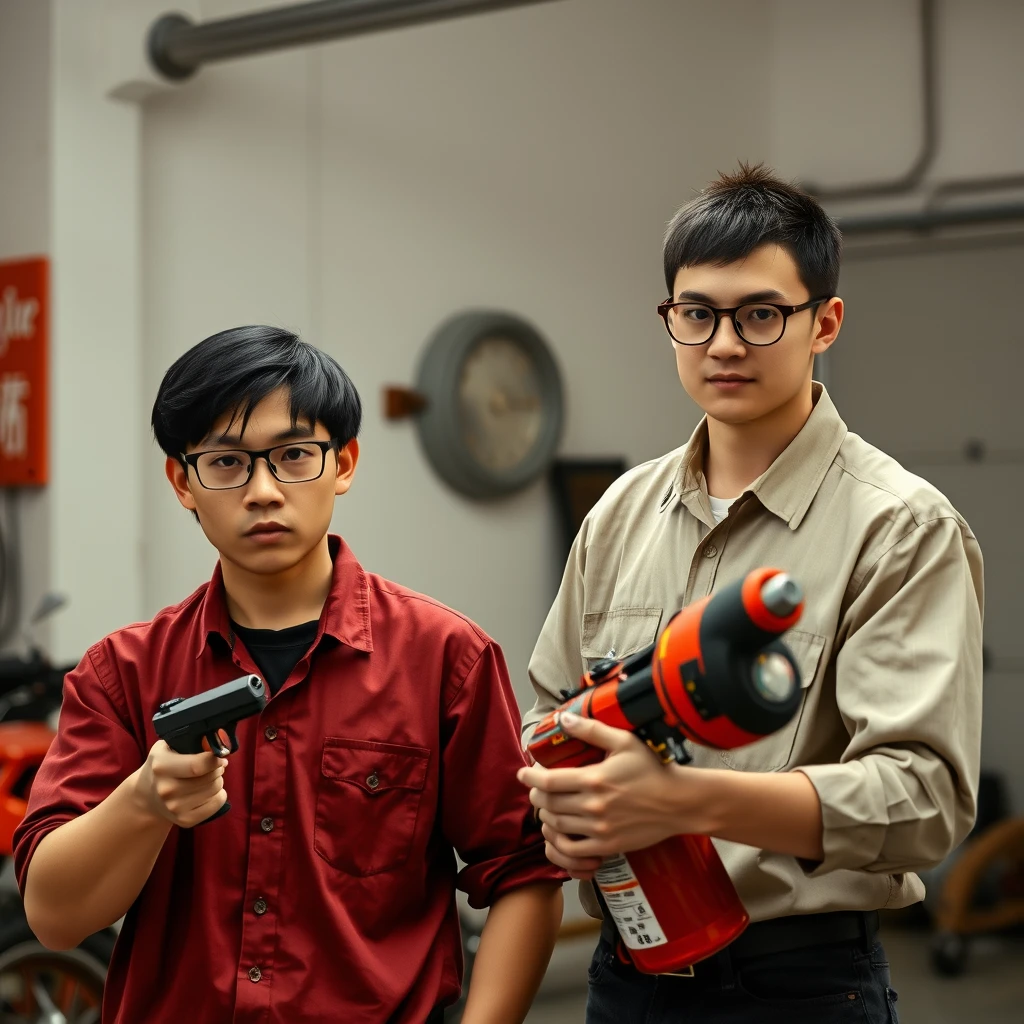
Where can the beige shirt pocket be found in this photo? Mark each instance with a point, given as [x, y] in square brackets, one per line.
[618, 632]
[774, 751]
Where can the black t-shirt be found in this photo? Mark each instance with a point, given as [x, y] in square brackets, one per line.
[277, 651]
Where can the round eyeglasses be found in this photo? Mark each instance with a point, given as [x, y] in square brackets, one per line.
[756, 323]
[295, 463]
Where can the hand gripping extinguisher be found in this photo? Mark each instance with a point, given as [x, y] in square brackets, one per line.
[718, 675]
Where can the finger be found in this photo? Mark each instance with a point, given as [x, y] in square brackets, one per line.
[204, 810]
[573, 824]
[183, 800]
[173, 788]
[564, 780]
[576, 866]
[596, 734]
[562, 803]
[588, 850]
[186, 766]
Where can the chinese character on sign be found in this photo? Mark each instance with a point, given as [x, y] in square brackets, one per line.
[14, 389]
[24, 340]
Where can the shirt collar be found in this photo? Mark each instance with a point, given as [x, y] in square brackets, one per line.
[345, 615]
[790, 483]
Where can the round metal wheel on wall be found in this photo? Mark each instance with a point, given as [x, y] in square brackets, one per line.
[949, 954]
[494, 403]
[43, 986]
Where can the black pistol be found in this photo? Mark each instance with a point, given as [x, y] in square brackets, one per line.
[184, 722]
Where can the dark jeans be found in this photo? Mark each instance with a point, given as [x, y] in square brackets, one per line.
[836, 984]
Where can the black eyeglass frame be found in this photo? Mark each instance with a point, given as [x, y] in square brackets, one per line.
[192, 459]
[785, 311]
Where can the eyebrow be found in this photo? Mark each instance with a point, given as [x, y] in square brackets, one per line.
[295, 433]
[768, 295]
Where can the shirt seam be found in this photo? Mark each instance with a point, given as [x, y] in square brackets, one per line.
[469, 671]
[117, 699]
[409, 595]
[917, 517]
[896, 543]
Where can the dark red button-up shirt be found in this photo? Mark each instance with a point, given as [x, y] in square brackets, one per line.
[327, 892]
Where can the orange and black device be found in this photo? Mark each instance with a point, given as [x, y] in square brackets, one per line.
[718, 675]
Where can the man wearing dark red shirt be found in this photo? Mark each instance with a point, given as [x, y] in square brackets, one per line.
[389, 743]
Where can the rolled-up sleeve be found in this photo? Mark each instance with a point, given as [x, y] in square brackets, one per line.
[909, 688]
[486, 812]
[94, 751]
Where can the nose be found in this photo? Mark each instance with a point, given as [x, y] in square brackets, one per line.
[263, 487]
[725, 342]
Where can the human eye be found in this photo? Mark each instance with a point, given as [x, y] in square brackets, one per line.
[760, 314]
[298, 452]
[696, 314]
[225, 460]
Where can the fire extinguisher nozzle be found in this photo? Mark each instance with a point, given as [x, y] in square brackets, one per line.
[782, 595]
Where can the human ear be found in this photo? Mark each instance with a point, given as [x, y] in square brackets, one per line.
[175, 473]
[826, 325]
[348, 458]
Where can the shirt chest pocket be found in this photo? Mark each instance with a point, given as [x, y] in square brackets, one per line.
[775, 751]
[618, 633]
[368, 801]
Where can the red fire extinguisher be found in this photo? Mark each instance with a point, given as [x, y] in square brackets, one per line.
[718, 675]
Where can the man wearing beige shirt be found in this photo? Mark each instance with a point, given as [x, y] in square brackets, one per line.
[825, 822]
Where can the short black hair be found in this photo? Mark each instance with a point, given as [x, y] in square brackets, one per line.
[233, 371]
[738, 213]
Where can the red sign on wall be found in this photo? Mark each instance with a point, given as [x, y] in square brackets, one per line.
[24, 337]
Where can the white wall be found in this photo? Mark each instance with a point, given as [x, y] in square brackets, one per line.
[363, 191]
[25, 221]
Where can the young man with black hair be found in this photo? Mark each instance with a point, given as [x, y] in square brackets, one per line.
[327, 891]
[825, 822]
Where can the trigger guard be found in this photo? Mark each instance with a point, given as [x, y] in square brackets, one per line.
[217, 747]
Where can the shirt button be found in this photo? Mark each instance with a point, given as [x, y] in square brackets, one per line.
[373, 781]
[270, 733]
[255, 974]
[710, 551]
[267, 824]
[260, 906]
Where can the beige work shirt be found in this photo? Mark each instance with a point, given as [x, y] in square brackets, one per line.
[889, 647]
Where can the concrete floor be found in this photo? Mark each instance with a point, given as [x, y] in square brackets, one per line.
[990, 991]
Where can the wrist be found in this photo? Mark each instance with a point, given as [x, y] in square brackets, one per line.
[699, 798]
[141, 799]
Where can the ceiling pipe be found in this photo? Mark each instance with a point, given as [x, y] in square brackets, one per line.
[177, 47]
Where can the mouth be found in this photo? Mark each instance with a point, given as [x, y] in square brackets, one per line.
[729, 381]
[265, 533]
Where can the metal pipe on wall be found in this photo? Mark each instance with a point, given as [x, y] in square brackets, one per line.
[930, 220]
[177, 46]
[913, 177]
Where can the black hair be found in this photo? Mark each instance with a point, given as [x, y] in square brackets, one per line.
[738, 213]
[233, 371]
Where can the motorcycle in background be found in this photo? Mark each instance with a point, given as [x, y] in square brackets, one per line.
[37, 985]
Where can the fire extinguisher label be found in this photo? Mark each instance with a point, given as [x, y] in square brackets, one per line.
[628, 905]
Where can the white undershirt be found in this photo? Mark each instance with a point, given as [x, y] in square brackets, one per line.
[720, 507]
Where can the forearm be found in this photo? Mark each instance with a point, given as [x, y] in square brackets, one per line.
[775, 811]
[87, 873]
[514, 951]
